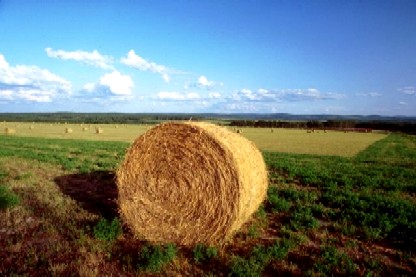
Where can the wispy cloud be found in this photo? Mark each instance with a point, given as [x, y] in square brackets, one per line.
[135, 61]
[186, 96]
[177, 96]
[93, 58]
[408, 90]
[264, 95]
[30, 83]
[369, 94]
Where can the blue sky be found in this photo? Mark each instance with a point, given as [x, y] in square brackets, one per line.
[300, 57]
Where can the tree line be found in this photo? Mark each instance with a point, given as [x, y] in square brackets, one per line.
[351, 125]
[405, 126]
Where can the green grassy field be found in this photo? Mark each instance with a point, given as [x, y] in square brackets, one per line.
[345, 212]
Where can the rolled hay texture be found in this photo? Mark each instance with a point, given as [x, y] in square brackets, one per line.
[9, 131]
[190, 183]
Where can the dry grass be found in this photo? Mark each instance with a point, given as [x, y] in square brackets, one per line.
[280, 140]
[190, 183]
[9, 131]
[42, 230]
[300, 142]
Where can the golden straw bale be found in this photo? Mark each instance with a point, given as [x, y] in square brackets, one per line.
[68, 130]
[190, 183]
[84, 129]
[9, 131]
[99, 131]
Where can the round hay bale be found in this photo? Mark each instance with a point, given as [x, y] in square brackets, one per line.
[99, 131]
[190, 183]
[68, 130]
[9, 131]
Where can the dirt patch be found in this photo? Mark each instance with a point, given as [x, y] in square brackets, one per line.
[95, 192]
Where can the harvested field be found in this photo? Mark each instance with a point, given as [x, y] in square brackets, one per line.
[280, 140]
[323, 215]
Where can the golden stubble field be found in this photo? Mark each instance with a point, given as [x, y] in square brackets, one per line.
[277, 140]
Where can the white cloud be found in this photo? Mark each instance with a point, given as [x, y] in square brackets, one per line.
[203, 82]
[408, 90]
[264, 95]
[89, 87]
[214, 95]
[6, 94]
[137, 62]
[119, 84]
[30, 83]
[403, 103]
[370, 94]
[91, 58]
[3, 63]
[177, 96]
[166, 77]
[112, 86]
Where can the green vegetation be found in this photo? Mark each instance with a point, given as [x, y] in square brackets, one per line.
[252, 266]
[154, 257]
[107, 230]
[372, 191]
[71, 155]
[260, 257]
[332, 262]
[324, 215]
[204, 253]
[7, 198]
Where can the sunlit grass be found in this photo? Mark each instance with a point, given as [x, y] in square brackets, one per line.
[320, 143]
[111, 132]
[280, 140]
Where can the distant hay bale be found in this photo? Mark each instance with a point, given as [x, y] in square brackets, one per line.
[9, 131]
[68, 130]
[239, 131]
[99, 131]
[31, 127]
[190, 183]
[84, 129]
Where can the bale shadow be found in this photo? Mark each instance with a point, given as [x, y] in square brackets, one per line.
[95, 192]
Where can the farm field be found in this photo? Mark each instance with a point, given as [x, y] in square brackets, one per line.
[279, 140]
[327, 212]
